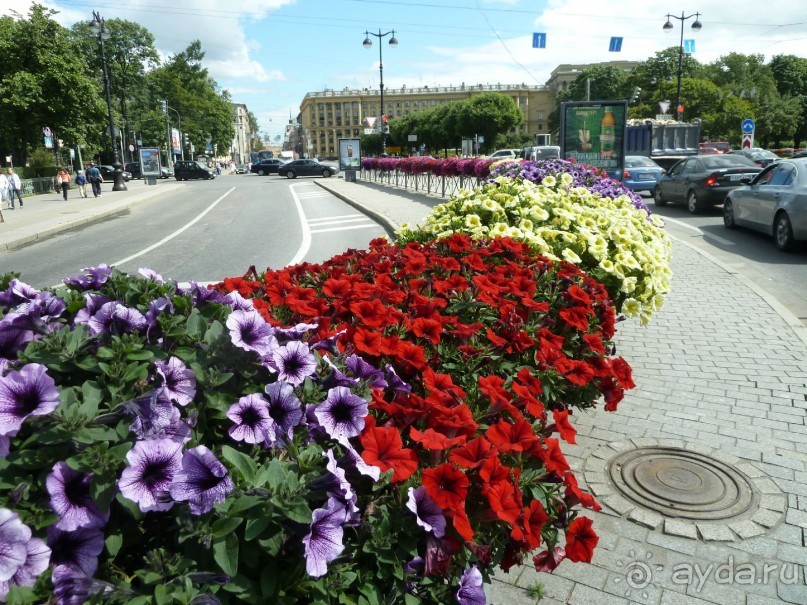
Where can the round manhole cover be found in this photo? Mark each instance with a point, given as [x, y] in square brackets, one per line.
[681, 483]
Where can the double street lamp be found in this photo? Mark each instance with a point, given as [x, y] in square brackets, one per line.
[98, 26]
[668, 27]
[367, 44]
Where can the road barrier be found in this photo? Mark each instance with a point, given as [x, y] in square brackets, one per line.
[426, 182]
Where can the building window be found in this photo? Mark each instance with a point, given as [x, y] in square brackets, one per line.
[320, 106]
[328, 106]
[540, 126]
[415, 103]
[406, 104]
[355, 104]
[540, 116]
[434, 102]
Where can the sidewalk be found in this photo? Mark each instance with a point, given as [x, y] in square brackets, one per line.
[721, 376]
[717, 423]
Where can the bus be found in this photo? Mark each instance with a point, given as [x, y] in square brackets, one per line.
[263, 154]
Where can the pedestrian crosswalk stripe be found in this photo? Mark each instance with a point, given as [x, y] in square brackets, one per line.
[320, 223]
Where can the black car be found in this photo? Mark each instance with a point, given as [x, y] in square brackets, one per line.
[705, 180]
[297, 168]
[187, 169]
[268, 166]
[134, 169]
[108, 173]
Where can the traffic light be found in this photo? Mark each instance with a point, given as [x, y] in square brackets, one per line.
[635, 96]
[185, 139]
[164, 106]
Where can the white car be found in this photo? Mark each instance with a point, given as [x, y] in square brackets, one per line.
[505, 154]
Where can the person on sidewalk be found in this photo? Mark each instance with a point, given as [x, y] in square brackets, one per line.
[14, 186]
[81, 183]
[4, 191]
[63, 181]
[94, 176]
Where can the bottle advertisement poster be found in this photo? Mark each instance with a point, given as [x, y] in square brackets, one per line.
[593, 132]
[349, 154]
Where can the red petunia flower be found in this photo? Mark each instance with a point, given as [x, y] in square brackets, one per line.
[508, 437]
[411, 355]
[553, 457]
[383, 448]
[371, 313]
[432, 440]
[623, 373]
[581, 540]
[595, 343]
[473, 454]
[427, 328]
[369, 342]
[566, 430]
[534, 518]
[575, 317]
[505, 500]
[574, 495]
[549, 560]
[447, 486]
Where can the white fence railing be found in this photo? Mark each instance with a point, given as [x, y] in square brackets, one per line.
[427, 183]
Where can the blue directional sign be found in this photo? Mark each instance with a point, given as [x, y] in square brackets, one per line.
[616, 45]
[538, 40]
[748, 126]
[689, 46]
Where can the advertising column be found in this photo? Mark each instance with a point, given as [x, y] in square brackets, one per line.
[593, 133]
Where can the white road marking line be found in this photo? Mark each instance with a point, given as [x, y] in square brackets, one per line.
[699, 231]
[311, 220]
[346, 228]
[313, 194]
[168, 238]
[320, 223]
[305, 245]
[717, 238]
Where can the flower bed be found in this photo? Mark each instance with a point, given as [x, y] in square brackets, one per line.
[160, 443]
[476, 167]
[568, 214]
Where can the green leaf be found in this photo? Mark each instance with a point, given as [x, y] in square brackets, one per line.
[246, 465]
[272, 473]
[243, 503]
[410, 599]
[141, 355]
[214, 331]
[255, 527]
[225, 526]
[225, 553]
[113, 543]
[161, 595]
[196, 325]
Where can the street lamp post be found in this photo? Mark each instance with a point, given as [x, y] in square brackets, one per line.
[393, 41]
[668, 27]
[98, 26]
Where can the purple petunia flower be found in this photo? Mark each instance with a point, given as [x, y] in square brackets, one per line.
[36, 561]
[70, 499]
[5, 445]
[358, 464]
[179, 381]
[154, 416]
[152, 467]
[156, 307]
[342, 414]
[71, 586]
[13, 338]
[93, 302]
[37, 313]
[238, 302]
[29, 392]
[285, 412]
[470, 591]
[151, 274]
[428, 514]
[16, 293]
[324, 541]
[14, 538]
[364, 371]
[338, 485]
[294, 362]
[91, 278]
[251, 417]
[295, 333]
[79, 548]
[329, 344]
[202, 481]
[201, 295]
[249, 331]
[116, 318]
[395, 383]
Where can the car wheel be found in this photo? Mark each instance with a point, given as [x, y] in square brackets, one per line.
[261, 173]
[693, 205]
[728, 214]
[657, 197]
[326, 173]
[783, 232]
[179, 178]
[290, 174]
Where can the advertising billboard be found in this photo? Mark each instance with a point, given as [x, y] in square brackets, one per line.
[593, 132]
[150, 161]
[349, 154]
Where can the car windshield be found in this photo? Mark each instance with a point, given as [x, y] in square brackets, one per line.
[637, 161]
[763, 154]
[719, 162]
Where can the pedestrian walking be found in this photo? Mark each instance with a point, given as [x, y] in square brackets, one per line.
[14, 187]
[4, 191]
[81, 183]
[95, 178]
[63, 181]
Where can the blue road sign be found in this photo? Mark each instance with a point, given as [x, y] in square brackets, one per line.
[689, 46]
[748, 126]
[616, 45]
[538, 40]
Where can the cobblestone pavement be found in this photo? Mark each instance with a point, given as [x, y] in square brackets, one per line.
[718, 371]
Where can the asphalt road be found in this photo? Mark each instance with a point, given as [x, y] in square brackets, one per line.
[752, 254]
[207, 231]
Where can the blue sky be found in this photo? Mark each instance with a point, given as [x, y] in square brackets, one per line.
[270, 53]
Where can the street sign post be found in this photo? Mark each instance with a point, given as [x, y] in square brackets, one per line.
[747, 129]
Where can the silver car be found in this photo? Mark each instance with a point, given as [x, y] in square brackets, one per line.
[774, 202]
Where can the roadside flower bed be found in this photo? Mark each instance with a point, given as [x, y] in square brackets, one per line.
[569, 214]
[474, 167]
[161, 443]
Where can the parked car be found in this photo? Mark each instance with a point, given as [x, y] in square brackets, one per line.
[774, 202]
[641, 173]
[540, 152]
[297, 168]
[108, 173]
[505, 154]
[718, 146]
[704, 180]
[192, 169]
[800, 154]
[762, 157]
[269, 166]
[134, 169]
[241, 169]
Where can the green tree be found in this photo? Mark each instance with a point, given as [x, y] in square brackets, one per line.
[790, 75]
[489, 114]
[44, 81]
